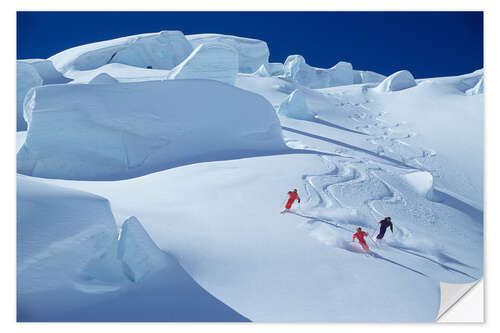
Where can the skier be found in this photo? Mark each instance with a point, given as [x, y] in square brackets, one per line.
[384, 224]
[360, 235]
[292, 196]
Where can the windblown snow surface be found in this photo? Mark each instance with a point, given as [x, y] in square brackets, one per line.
[143, 196]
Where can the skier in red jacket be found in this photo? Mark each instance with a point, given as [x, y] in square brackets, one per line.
[292, 196]
[360, 235]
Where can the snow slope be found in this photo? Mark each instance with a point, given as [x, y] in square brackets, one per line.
[72, 267]
[339, 193]
[113, 131]
[359, 147]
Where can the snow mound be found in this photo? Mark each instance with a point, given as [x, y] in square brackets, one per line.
[138, 252]
[295, 106]
[397, 81]
[214, 61]
[46, 70]
[27, 78]
[162, 50]
[252, 52]
[60, 233]
[296, 69]
[103, 78]
[421, 182]
[367, 77]
[117, 131]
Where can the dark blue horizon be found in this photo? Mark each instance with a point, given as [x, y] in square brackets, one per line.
[428, 44]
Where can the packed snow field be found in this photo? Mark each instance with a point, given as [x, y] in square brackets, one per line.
[152, 170]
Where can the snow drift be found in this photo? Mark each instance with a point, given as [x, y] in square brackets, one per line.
[295, 106]
[296, 69]
[27, 78]
[214, 61]
[116, 131]
[72, 267]
[103, 78]
[421, 182]
[252, 52]
[397, 81]
[162, 50]
[61, 233]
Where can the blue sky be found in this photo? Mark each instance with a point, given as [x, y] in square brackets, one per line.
[428, 44]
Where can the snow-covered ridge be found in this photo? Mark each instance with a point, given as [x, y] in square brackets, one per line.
[113, 131]
[296, 69]
[161, 50]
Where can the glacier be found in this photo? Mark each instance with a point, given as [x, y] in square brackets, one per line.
[46, 70]
[162, 50]
[60, 232]
[153, 194]
[367, 77]
[212, 61]
[270, 69]
[113, 131]
[296, 69]
[27, 77]
[252, 53]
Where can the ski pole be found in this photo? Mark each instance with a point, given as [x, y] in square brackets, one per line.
[371, 237]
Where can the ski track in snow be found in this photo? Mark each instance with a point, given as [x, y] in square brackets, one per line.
[350, 170]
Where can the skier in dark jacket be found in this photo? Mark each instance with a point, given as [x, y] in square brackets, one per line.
[384, 224]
